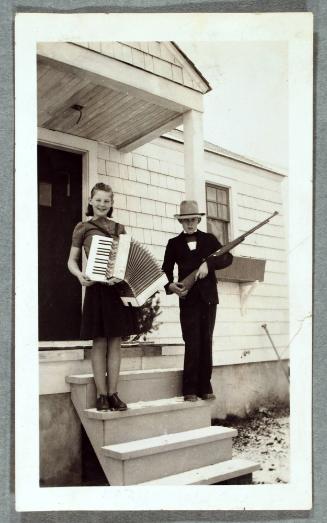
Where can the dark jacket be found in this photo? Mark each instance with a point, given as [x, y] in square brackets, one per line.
[177, 251]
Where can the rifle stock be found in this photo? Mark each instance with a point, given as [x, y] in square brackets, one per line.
[189, 280]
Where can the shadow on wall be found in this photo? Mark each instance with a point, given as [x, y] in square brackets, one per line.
[60, 430]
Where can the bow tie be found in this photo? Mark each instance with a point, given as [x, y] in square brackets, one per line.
[191, 237]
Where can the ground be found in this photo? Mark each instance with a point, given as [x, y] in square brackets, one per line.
[264, 438]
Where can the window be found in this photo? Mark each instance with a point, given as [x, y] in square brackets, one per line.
[217, 199]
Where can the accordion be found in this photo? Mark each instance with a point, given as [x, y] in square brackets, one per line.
[125, 261]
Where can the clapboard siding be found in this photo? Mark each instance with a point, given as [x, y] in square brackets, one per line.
[243, 172]
[149, 184]
[257, 194]
[257, 190]
[276, 266]
[232, 303]
[256, 215]
[263, 289]
[258, 239]
[258, 251]
[251, 202]
[270, 230]
[172, 333]
[254, 342]
[230, 357]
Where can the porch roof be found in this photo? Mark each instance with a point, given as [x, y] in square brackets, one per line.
[93, 95]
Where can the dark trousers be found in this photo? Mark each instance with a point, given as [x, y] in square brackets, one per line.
[197, 322]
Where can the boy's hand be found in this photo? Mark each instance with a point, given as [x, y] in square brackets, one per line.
[179, 289]
[202, 271]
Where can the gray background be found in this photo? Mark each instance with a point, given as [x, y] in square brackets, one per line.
[7, 12]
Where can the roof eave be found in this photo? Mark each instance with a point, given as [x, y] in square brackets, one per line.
[198, 72]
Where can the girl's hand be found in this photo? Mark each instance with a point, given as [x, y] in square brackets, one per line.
[202, 271]
[85, 280]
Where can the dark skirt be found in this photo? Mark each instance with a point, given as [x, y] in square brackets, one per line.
[105, 315]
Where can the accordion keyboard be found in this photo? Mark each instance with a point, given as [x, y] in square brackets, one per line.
[97, 262]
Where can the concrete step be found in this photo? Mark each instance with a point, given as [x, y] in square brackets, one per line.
[149, 419]
[133, 386]
[151, 458]
[209, 475]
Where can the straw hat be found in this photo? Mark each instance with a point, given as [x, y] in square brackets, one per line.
[189, 209]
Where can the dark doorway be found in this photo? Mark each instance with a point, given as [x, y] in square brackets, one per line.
[59, 209]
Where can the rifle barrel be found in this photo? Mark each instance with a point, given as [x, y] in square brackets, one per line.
[189, 280]
[259, 225]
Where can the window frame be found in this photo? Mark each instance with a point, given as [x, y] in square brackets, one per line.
[226, 222]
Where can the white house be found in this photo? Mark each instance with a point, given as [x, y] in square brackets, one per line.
[109, 112]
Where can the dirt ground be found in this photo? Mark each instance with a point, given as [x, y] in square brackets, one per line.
[263, 438]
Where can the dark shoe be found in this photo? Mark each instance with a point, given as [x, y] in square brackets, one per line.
[102, 402]
[209, 396]
[190, 397]
[115, 403]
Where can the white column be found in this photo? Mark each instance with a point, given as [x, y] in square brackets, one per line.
[194, 160]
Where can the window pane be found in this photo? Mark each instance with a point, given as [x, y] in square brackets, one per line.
[211, 194]
[222, 211]
[219, 229]
[212, 209]
[222, 196]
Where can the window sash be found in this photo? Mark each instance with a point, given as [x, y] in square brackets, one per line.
[218, 211]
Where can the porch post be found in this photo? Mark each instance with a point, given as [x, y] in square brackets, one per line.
[194, 160]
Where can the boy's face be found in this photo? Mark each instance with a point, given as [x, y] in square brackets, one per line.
[190, 225]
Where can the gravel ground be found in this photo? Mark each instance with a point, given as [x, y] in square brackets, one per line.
[263, 438]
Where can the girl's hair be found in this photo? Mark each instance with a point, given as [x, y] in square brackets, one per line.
[100, 187]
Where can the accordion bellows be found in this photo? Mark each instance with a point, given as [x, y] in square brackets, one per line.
[125, 261]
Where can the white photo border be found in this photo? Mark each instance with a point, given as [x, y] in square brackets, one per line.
[297, 30]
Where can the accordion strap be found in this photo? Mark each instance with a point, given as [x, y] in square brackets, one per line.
[104, 230]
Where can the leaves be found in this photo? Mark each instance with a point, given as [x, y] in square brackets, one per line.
[147, 319]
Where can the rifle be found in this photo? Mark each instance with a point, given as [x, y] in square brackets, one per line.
[189, 280]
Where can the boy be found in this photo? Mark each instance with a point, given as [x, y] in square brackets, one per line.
[189, 251]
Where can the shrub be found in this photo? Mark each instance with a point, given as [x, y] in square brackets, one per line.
[147, 319]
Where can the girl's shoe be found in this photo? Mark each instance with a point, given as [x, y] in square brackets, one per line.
[115, 403]
[102, 402]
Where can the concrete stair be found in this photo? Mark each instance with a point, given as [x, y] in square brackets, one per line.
[149, 419]
[137, 461]
[136, 385]
[209, 475]
[160, 437]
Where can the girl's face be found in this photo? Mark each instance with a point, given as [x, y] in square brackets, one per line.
[101, 202]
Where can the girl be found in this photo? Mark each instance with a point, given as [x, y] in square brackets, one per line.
[105, 319]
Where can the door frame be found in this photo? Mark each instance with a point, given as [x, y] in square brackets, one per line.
[75, 144]
[89, 151]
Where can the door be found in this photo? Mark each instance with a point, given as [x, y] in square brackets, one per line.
[59, 209]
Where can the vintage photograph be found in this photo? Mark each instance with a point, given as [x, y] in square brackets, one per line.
[163, 261]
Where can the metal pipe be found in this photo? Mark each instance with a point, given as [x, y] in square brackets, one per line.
[264, 326]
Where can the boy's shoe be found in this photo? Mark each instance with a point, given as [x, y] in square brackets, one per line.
[209, 396]
[115, 403]
[190, 397]
[102, 402]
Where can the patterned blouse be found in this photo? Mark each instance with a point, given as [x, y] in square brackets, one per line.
[83, 232]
